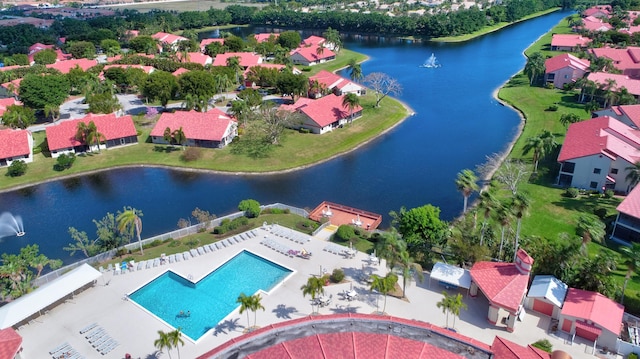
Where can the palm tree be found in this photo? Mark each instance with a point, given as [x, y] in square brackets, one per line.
[383, 285]
[167, 135]
[314, 287]
[355, 70]
[256, 304]
[130, 219]
[541, 145]
[534, 66]
[569, 118]
[504, 218]
[487, 204]
[455, 305]
[189, 102]
[245, 305]
[520, 205]
[631, 256]
[624, 97]
[445, 304]
[609, 94]
[52, 111]
[319, 51]
[408, 268]
[633, 174]
[590, 227]
[466, 183]
[179, 137]
[88, 134]
[175, 338]
[164, 341]
[350, 101]
[234, 63]
[389, 246]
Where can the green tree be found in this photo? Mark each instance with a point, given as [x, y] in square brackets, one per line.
[81, 244]
[144, 44]
[64, 161]
[445, 304]
[110, 47]
[350, 101]
[503, 216]
[103, 102]
[17, 168]
[409, 269]
[569, 118]
[467, 183]
[52, 111]
[631, 257]
[45, 57]
[333, 37]
[291, 84]
[199, 84]
[590, 228]
[160, 86]
[486, 204]
[234, 43]
[289, 39]
[421, 228]
[383, 285]
[37, 91]
[534, 67]
[455, 306]
[250, 303]
[633, 174]
[129, 219]
[541, 145]
[250, 207]
[520, 204]
[82, 49]
[175, 339]
[355, 70]
[163, 342]
[314, 287]
[88, 134]
[18, 117]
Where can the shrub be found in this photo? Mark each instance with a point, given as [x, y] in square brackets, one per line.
[601, 212]
[572, 192]
[192, 243]
[191, 154]
[220, 230]
[552, 108]
[17, 168]
[64, 161]
[304, 130]
[345, 232]
[174, 243]
[250, 207]
[632, 356]
[337, 276]
[543, 344]
[608, 193]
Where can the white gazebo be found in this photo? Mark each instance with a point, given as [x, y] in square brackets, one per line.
[33, 303]
[450, 275]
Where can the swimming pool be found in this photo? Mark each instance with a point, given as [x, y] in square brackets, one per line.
[212, 298]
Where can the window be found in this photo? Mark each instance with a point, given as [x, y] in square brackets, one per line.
[596, 171]
[593, 185]
[614, 171]
[568, 167]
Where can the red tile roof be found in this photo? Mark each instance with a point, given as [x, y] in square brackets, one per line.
[506, 349]
[623, 59]
[633, 86]
[569, 40]
[591, 23]
[263, 37]
[247, 59]
[631, 111]
[196, 57]
[631, 204]
[310, 53]
[6, 102]
[595, 307]
[207, 126]
[62, 135]
[601, 135]
[597, 10]
[205, 42]
[354, 344]
[327, 110]
[167, 38]
[313, 40]
[13, 67]
[39, 47]
[10, 343]
[66, 65]
[14, 143]
[331, 80]
[566, 60]
[146, 69]
[179, 71]
[502, 283]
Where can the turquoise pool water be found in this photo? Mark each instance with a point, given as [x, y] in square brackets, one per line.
[210, 299]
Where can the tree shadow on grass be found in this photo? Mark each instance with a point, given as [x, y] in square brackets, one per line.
[165, 149]
[570, 100]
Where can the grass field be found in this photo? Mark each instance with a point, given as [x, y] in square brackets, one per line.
[180, 6]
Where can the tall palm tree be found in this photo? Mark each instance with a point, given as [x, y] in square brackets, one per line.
[633, 174]
[168, 135]
[88, 134]
[534, 66]
[456, 304]
[319, 51]
[389, 246]
[245, 302]
[130, 219]
[487, 204]
[175, 338]
[164, 341]
[631, 256]
[540, 145]
[179, 137]
[383, 285]
[52, 111]
[609, 93]
[314, 288]
[350, 101]
[234, 63]
[408, 268]
[590, 227]
[355, 70]
[466, 184]
[503, 216]
[519, 205]
[445, 305]
[256, 303]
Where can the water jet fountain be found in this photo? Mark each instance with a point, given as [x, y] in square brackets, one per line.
[11, 225]
[431, 62]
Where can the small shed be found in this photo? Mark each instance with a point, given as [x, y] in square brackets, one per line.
[450, 275]
[546, 295]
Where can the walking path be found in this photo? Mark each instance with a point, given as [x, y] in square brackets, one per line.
[135, 330]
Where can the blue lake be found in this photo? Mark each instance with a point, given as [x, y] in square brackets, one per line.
[457, 124]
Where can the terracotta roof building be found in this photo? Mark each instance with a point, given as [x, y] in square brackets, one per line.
[117, 131]
[595, 154]
[626, 60]
[336, 84]
[10, 343]
[212, 129]
[169, 39]
[504, 285]
[324, 114]
[205, 42]
[506, 349]
[265, 36]
[627, 225]
[568, 42]
[247, 59]
[627, 114]
[6, 102]
[66, 65]
[196, 57]
[311, 55]
[15, 145]
[592, 316]
[564, 69]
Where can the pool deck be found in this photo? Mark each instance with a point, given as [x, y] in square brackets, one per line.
[136, 330]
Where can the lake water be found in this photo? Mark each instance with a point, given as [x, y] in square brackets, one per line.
[457, 124]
